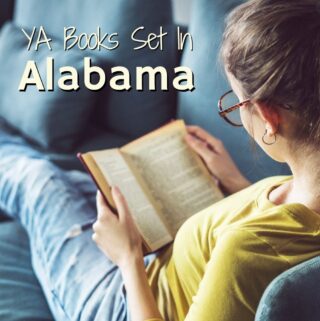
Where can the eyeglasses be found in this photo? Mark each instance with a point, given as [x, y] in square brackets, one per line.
[229, 108]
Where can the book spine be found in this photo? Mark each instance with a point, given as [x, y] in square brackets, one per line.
[79, 156]
[145, 247]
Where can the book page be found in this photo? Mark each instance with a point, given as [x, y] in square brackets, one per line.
[173, 174]
[116, 171]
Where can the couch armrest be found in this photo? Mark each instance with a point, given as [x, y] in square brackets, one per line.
[294, 295]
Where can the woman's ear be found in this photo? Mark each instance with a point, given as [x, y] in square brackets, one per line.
[270, 116]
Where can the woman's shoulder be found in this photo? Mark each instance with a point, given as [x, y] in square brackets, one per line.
[277, 178]
[250, 195]
[272, 180]
[259, 189]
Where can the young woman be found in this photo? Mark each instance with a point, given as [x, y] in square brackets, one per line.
[224, 257]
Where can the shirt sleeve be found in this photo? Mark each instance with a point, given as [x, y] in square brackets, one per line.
[240, 268]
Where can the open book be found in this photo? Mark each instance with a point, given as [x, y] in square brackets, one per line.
[162, 179]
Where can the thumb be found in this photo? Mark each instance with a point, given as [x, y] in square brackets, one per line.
[102, 208]
[200, 147]
[121, 203]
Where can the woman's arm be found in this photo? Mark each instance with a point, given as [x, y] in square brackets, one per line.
[239, 269]
[141, 300]
[217, 159]
[119, 239]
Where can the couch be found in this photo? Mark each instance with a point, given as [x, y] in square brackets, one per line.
[60, 125]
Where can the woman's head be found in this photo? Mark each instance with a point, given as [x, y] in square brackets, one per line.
[271, 54]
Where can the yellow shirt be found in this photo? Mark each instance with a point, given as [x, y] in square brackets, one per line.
[224, 257]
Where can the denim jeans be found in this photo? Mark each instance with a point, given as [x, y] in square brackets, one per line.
[79, 281]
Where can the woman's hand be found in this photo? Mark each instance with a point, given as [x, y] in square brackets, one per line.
[117, 236]
[119, 239]
[217, 159]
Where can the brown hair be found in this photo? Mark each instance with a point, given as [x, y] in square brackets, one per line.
[272, 47]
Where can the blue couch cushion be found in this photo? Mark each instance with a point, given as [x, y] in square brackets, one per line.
[53, 119]
[294, 295]
[21, 296]
[96, 139]
[200, 106]
[128, 113]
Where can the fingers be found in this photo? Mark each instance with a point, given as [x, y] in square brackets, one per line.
[121, 203]
[107, 222]
[103, 209]
[200, 132]
[94, 236]
[105, 217]
[200, 147]
[105, 213]
[96, 228]
[204, 135]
